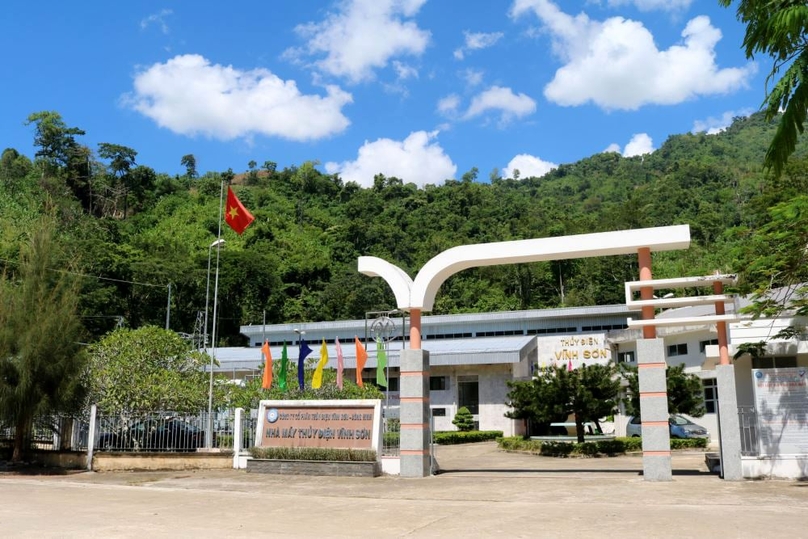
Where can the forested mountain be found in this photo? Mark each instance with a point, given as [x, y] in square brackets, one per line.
[133, 230]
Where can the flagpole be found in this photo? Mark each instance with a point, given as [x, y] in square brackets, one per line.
[209, 437]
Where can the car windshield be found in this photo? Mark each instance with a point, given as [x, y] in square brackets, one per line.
[679, 420]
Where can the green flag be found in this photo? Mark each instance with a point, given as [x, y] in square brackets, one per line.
[381, 364]
[284, 363]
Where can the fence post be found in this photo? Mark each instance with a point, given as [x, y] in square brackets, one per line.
[237, 438]
[91, 437]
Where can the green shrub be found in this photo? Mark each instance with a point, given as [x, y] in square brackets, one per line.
[392, 439]
[689, 443]
[463, 420]
[313, 453]
[616, 446]
[467, 437]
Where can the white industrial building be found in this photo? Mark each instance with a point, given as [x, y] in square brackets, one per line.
[473, 356]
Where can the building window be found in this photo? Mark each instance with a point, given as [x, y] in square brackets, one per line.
[468, 393]
[392, 384]
[704, 344]
[710, 395]
[774, 362]
[625, 357]
[438, 383]
[677, 350]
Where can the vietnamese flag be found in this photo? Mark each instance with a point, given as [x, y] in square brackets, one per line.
[236, 214]
[267, 382]
[361, 358]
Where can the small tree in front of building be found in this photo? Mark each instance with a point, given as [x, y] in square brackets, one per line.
[463, 420]
[588, 393]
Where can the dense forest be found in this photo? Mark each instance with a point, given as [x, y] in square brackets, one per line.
[131, 231]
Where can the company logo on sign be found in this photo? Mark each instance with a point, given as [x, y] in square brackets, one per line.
[758, 374]
[272, 415]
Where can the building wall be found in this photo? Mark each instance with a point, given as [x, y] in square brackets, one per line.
[492, 385]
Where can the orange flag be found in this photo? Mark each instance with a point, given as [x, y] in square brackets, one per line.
[267, 366]
[236, 214]
[361, 358]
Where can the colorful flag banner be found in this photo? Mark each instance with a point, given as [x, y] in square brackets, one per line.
[236, 215]
[284, 365]
[267, 382]
[361, 358]
[304, 353]
[340, 363]
[381, 363]
[317, 377]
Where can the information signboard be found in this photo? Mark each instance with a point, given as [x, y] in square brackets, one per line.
[339, 424]
[781, 403]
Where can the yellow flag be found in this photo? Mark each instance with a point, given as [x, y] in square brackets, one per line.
[317, 378]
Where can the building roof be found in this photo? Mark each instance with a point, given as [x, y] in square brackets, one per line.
[479, 351]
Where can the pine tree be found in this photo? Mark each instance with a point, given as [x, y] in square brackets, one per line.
[463, 420]
[41, 360]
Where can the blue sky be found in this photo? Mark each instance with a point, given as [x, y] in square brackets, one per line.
[419, 89]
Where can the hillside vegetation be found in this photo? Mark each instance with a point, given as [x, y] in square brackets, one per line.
[133, 230]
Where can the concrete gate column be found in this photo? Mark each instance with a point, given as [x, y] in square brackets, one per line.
[416, 432]
[656, 440]
[729, 429]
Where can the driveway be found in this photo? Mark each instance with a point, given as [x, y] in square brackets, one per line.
[482, 492]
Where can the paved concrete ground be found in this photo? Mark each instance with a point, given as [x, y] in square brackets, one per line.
[482, 493]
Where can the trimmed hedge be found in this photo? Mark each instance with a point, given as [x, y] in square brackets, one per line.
[616, 446]
[458, 437]
[312, 453]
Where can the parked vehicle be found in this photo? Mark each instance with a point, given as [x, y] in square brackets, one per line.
[680, 427]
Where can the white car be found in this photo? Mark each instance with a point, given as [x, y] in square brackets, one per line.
[680, 427]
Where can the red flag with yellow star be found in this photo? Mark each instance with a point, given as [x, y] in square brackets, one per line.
[236, 214]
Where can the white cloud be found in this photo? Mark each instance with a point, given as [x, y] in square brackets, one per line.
[640, 144]
[362, 36]
[404, 71]
[476, 41]
[713, 126]
[652, 5]
[473, 77]
[157, 19]
[418, 159]
[448, 105]
[502, 100]
[613, 147]
[615, 64]
[528, 166]
[190, 96]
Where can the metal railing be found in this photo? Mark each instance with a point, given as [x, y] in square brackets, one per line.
[747, 420]
[162, 431]
[391, 437]
[51, 433]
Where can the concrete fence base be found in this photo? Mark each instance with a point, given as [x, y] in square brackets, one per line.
[118, 462]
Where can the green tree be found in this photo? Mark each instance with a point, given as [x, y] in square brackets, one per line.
[685, 392]
[55, 140]
[146, 369]
[121, 162]
[463, 420]
[778, 29]
[587, 393]
[41, 358]
[189, 162]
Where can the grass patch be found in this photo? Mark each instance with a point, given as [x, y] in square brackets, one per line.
[313, 453]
